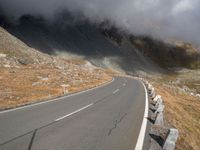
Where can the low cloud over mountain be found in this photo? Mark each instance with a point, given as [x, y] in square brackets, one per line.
[177, 19]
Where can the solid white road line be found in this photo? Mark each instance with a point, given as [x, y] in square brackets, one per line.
[56, 99]
[117, 90]
[74, 112]
[140, 140]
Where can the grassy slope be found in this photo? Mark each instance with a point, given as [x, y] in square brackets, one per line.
[27, 75]
[182, 110]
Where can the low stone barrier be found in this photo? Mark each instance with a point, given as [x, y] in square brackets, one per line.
[166, 138]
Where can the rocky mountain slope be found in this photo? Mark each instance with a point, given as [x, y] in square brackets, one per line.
[27, 75]
[103, 47]
[81, 39]
[168, 54]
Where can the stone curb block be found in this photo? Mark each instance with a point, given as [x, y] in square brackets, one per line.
[171, 139]
[172, 135]
[159, 119]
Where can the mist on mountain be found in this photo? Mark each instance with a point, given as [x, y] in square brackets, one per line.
[171, 19]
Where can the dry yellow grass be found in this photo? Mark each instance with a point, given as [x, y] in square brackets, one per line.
[183, 112]
[32, 83]
[27, 75]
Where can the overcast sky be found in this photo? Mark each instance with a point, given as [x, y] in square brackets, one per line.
[160, 18]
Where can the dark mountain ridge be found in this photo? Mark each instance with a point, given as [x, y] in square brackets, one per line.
[103, 46]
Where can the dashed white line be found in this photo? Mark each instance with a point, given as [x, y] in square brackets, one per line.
[117, 90]
[74, 112]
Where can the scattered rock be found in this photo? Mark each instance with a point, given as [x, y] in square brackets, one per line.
[36, 83]
[197, 95]
[6, 66]
[45, 79]
[23, 61]
[2, 55]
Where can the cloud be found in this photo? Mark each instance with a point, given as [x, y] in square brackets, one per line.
[164, 19]
[183, 6]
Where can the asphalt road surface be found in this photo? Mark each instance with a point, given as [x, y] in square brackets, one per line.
[106, 118]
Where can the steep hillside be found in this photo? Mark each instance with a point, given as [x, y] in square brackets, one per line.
[103, 47]
[27, 75]
[80, 39]
[168, 54]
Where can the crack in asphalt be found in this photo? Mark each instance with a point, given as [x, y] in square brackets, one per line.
[32, 131]
[116, 123]
[32, 139]
[35, 130]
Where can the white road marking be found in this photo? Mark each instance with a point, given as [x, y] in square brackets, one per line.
[140, 140]
[117, 90]
[74, 112]
[124, 84]
[54, 100]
